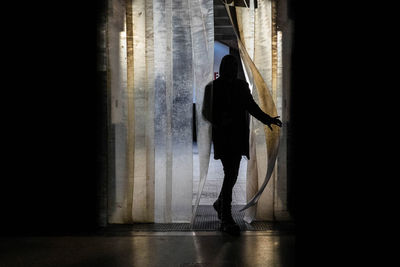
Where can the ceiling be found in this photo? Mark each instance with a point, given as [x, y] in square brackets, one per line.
[223, 30]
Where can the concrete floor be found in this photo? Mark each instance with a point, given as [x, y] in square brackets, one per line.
[175, 249]
[275, 248]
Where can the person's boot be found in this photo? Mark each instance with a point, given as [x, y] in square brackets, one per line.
[228, 224]
[217, 207]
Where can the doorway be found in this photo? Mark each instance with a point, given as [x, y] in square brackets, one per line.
[225, 42]
[141, 164]
[215, 173]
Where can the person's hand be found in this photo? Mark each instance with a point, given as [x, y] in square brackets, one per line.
[275, 121]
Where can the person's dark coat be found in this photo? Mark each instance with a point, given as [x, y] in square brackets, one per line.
[227, 104]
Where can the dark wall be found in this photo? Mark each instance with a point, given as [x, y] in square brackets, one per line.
[293, 111]
[50, 175]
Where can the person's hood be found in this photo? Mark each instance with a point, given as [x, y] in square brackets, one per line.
[228, 68]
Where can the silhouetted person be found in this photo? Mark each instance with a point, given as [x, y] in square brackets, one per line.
[227, 102]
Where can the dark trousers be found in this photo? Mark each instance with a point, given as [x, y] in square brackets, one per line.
[231, 164]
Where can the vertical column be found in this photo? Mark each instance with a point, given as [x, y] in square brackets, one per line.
[280, 203]
[283, 88]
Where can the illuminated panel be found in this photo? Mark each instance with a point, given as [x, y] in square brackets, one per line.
[173, 105]
[181, 113]
[202, 30]
[117, 73]
[266, 102]
[263, 59]
[142, 119]
[162, 77]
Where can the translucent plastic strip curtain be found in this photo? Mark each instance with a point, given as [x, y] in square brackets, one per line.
[264, 59]
[264, 142]
[131, 82]
[141, 110]
[153, 66]
[173, 106]
[202, 29]
[119, 198]
[130, 144]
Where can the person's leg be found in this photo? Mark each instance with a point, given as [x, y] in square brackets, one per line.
[223, 206]
[231, 166]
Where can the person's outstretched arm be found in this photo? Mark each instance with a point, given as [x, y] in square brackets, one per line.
[256, 111]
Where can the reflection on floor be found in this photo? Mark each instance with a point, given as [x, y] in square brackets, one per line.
[174, 249]
[214, 181]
